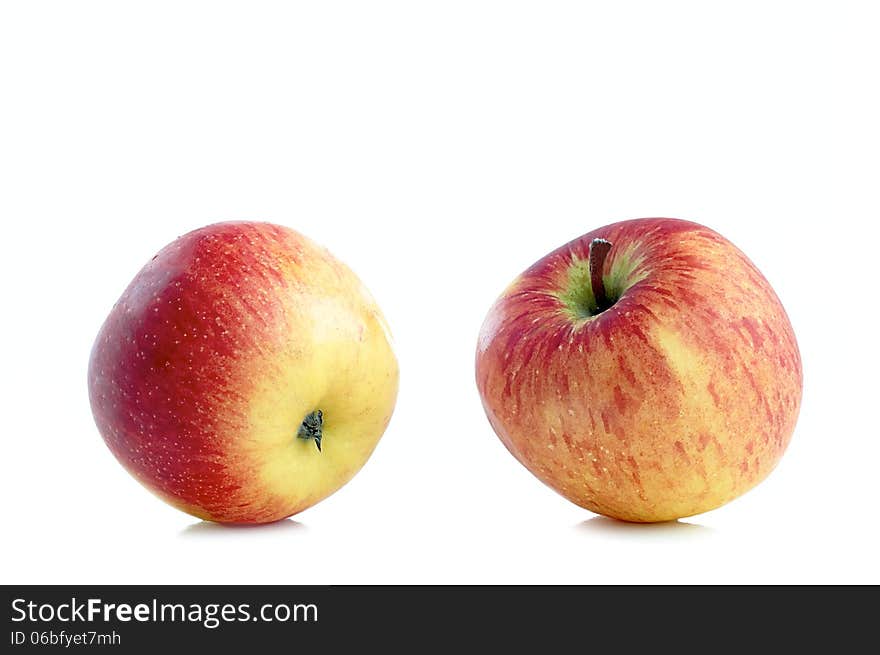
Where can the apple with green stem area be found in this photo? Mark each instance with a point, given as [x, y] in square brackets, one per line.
[646, 371]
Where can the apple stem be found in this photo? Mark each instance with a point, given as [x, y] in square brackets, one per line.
[598, 252]
[311, 427]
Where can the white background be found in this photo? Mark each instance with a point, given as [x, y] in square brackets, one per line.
[438, 148]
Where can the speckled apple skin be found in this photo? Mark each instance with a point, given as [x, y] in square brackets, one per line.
[205, 368]
[680, 397]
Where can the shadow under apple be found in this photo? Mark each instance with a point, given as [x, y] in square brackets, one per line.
[209, 530]
[672, 529]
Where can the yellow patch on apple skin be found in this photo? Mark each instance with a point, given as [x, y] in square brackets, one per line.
[702, 479]
[338, 359]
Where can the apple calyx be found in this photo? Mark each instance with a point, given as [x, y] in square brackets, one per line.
[311, 427]
[599, 249]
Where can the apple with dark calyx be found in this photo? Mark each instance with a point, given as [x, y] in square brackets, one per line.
[645, 371]
[244, 375]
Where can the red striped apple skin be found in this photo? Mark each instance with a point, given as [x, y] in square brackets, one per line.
[215, 353]
[678, 398]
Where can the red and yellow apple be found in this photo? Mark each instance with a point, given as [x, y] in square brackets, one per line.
[244, 375]
[645, 371]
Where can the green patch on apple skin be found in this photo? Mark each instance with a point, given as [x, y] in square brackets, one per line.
[577, 296]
